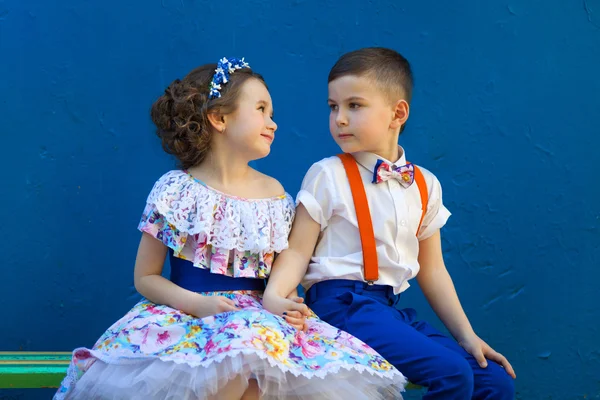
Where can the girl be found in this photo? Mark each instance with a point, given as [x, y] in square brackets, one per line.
[203, 333]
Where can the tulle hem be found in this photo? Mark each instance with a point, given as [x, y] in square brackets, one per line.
[109, 378]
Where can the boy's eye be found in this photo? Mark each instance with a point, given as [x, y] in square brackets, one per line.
[262, 108]
[354, 105]
[333, 107]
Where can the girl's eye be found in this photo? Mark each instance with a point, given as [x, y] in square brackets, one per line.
[354, 105]
[333, 107]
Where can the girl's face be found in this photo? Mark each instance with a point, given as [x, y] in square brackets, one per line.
[250, 129]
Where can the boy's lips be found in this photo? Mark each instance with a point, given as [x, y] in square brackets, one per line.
[344, 135]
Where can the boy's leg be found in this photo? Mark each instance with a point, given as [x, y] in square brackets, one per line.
[446, 373]
[490, 383]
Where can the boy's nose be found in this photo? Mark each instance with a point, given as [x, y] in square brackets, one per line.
[341, 119]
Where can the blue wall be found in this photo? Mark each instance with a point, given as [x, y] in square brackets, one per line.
[505, 112]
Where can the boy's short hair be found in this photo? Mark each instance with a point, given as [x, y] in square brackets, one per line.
[388, 68]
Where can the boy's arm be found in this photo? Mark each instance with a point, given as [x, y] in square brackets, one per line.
[438, 288]
[290, 266]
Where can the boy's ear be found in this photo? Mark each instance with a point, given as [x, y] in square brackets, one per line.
[217, 121]
[401, 111]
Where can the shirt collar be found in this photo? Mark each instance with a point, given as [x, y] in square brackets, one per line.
[368, 160]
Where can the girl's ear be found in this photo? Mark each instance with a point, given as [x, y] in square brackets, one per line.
[217, 121]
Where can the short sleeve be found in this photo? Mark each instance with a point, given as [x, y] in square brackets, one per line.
[155, 224]
[437, 214]
[317, 194]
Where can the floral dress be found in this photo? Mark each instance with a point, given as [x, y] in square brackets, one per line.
[157, 352]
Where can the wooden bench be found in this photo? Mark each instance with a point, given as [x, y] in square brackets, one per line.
[35, 370]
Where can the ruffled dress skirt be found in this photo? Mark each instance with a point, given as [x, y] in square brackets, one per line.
[157, 352]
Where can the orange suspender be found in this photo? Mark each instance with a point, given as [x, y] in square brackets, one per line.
[363, 214]
[420, 180]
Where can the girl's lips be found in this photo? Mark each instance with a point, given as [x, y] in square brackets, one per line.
[268, 137]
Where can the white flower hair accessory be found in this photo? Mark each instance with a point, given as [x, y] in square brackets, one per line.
[225, 67]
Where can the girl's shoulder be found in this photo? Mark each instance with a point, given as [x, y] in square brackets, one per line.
[169, 181]
[181, 184]
[269, 186]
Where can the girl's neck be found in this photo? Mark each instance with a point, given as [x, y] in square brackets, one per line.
[222, 170]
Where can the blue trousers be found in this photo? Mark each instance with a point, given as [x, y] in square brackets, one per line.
[419, 351]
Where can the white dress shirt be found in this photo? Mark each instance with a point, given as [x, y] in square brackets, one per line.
[395, 213]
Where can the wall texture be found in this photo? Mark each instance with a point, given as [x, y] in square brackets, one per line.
[505, 112]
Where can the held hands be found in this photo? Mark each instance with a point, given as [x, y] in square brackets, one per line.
[206, 306]
[292, 309]
[483, 352]
[297, 318]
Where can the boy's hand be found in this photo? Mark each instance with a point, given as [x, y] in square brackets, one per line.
[294, 311]
[296, 318]
[479, 349]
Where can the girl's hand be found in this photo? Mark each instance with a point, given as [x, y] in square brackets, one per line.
[207, 306]
[294, 311]
[482, 351]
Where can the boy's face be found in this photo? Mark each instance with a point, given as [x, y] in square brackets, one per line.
[362, 118]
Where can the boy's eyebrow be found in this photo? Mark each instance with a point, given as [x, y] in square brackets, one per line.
[352, 98]
[355, 98]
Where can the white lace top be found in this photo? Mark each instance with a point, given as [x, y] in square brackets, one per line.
[226, 234]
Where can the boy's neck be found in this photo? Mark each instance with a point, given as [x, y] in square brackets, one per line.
[390, 151]
[390, 155]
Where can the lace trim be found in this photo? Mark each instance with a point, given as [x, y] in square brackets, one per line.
[73, 375]
[221, 220]
[321, 373]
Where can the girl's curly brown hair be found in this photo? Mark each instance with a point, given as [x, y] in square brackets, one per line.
[181, 113]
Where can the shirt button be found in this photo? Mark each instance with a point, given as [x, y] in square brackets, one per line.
[403, 223]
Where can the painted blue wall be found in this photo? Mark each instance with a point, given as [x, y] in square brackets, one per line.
[505, 113]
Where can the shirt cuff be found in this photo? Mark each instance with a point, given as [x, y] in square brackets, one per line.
[436, 223]
[312, 206]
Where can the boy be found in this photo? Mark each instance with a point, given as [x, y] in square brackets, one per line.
[369, 95]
